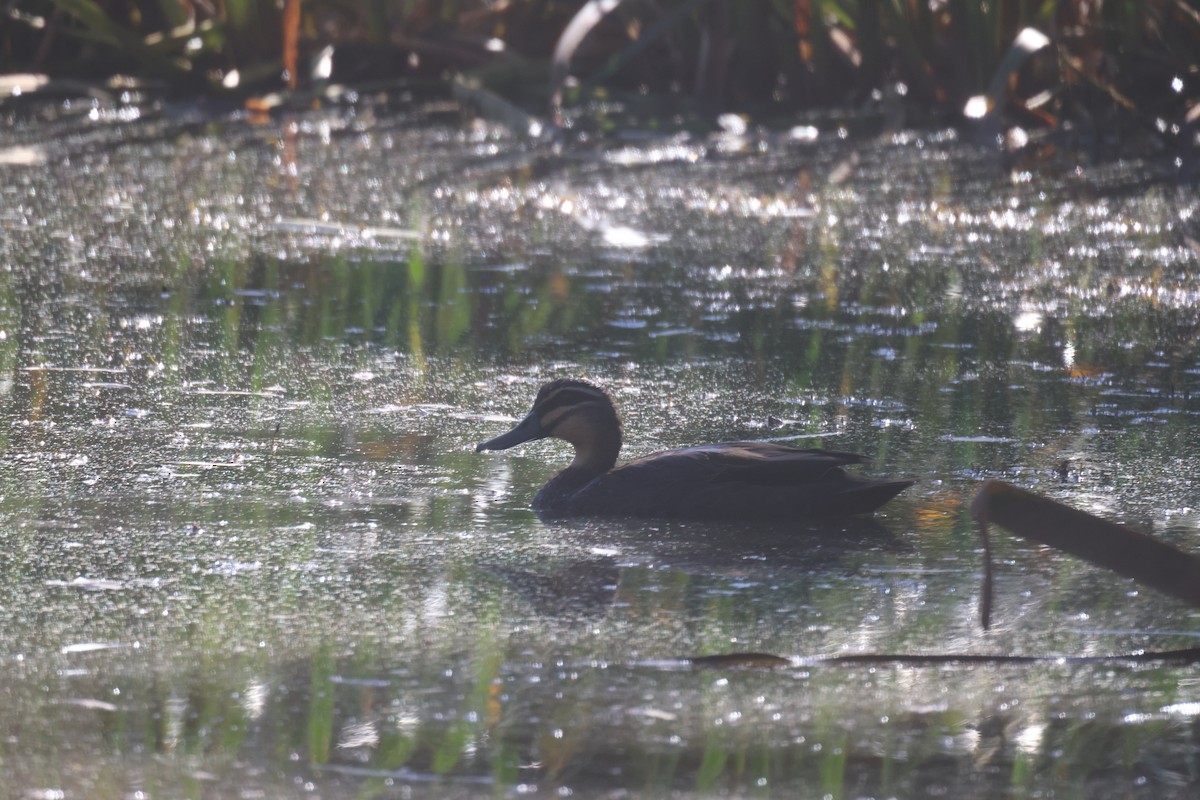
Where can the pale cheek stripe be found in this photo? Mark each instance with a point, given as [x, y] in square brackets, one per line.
[551, 419]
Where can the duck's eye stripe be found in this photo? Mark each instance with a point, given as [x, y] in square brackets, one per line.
[552, 417]
[567, 397]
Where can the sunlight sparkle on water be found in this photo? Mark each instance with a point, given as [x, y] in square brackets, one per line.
[242, 410]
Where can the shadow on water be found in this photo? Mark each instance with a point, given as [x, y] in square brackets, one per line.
[726, 552]
[247, 548]
[707, 547]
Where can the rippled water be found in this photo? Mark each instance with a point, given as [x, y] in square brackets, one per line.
[248, 550]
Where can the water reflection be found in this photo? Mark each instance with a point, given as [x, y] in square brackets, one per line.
[371, 719]
[248, 549]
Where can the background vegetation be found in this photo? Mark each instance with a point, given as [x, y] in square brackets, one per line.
[1038, 64]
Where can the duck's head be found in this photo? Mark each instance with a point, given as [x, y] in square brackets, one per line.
[575, 411]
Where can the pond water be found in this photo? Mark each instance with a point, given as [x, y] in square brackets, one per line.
[247, 549]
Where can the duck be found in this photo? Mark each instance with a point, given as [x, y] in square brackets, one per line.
[744, 480]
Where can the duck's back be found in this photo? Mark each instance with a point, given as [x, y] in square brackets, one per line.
[733, 480]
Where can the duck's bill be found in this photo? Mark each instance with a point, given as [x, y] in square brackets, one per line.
[526, 431]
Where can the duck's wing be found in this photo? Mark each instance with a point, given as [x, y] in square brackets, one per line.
[765, 463]
[741, 480]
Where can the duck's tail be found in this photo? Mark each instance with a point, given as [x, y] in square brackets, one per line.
[862, 497]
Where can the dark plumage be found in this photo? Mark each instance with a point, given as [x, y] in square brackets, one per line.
[733, 480]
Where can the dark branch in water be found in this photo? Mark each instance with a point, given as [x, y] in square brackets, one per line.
[1147, 560]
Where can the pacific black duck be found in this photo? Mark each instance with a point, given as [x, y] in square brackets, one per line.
[732, 480]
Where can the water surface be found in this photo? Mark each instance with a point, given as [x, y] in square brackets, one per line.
[248, 549]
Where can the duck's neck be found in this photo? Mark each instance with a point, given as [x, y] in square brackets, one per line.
[593, 458]
[595, 455]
